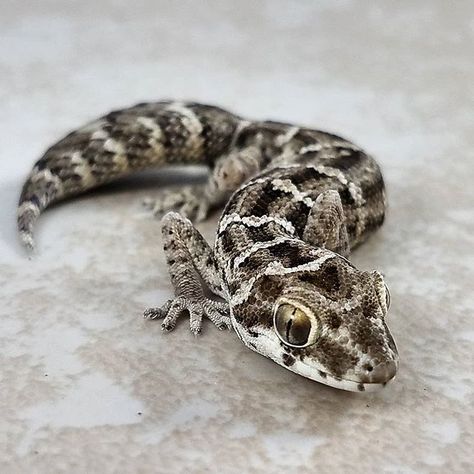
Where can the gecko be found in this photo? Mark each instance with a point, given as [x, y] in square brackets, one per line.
[296, 201]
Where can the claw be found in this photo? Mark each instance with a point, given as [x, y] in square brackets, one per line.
[167, 327]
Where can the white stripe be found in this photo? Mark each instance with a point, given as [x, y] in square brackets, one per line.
[258, 246]
[99, 135]
[243, 292]
[286, 137]
[93, 126]
[242, 125]
[287, 186]
[354, 190]
[151, 125]
[255, 221]
[356, 193]
[191, 123]
[120, 158]
[82, 168]
[344, 144]
[277, 269]
[113, 146]
[325, 170]
[28, 206]
[310, 148]
[156, 135]
[48, 176]
[332, 172]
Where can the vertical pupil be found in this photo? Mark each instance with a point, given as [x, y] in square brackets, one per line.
[292, 324]
[288, 329]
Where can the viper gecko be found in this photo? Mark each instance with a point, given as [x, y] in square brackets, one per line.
[297, 201]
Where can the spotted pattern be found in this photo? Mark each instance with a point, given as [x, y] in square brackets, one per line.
[297, 201]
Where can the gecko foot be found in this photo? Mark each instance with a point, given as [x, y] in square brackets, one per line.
[215, 311]
[188, 201]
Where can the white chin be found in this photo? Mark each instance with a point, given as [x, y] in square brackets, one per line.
[336, 382]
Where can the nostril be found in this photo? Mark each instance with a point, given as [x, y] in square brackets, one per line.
[383, 372]
[377, 373]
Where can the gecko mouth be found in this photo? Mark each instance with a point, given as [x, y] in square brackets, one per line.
[353, 385]
[312, 371]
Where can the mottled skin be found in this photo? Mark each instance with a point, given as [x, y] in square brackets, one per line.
[303, 199]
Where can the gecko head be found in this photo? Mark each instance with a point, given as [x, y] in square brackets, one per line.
[329, 325]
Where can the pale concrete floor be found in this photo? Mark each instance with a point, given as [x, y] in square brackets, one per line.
[87, 385]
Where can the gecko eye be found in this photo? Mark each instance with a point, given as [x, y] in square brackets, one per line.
[293, 325]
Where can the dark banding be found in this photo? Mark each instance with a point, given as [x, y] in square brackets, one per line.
[42, 163]
[327, 279]
[174, 133]
[261, 233]
[253, 263]
[374, 187]
[298, 216]
[258, 214]
[227, 242]
[266, 198]
[345, 162]
[346, 197]
[290, 254]
[306, 136]
[335, 357]
[34, 199]
[288, 359]
[207, 136]
[248, 135]
[218, 129]
[300, 176]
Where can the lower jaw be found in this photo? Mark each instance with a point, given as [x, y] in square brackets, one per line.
[336, 382]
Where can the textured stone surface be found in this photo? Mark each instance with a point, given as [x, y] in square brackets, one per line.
[87, 385]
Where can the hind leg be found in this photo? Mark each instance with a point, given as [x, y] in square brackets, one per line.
[196, 202]
[193, 202]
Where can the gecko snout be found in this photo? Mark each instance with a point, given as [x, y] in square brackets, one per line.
[379, 373]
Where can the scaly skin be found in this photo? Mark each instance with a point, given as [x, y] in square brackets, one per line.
[298, 200]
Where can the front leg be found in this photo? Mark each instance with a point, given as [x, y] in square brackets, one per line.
[190, 259]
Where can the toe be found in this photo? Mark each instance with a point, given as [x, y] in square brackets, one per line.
[153, 313]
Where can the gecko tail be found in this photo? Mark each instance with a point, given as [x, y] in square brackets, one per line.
[40, 190]
[27, 215]
[120, 143]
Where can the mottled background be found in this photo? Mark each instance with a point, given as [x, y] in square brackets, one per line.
[87, 385]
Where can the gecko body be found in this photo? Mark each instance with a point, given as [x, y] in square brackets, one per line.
[297, 201]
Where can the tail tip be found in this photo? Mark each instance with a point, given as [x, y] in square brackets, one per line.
[28, 243]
